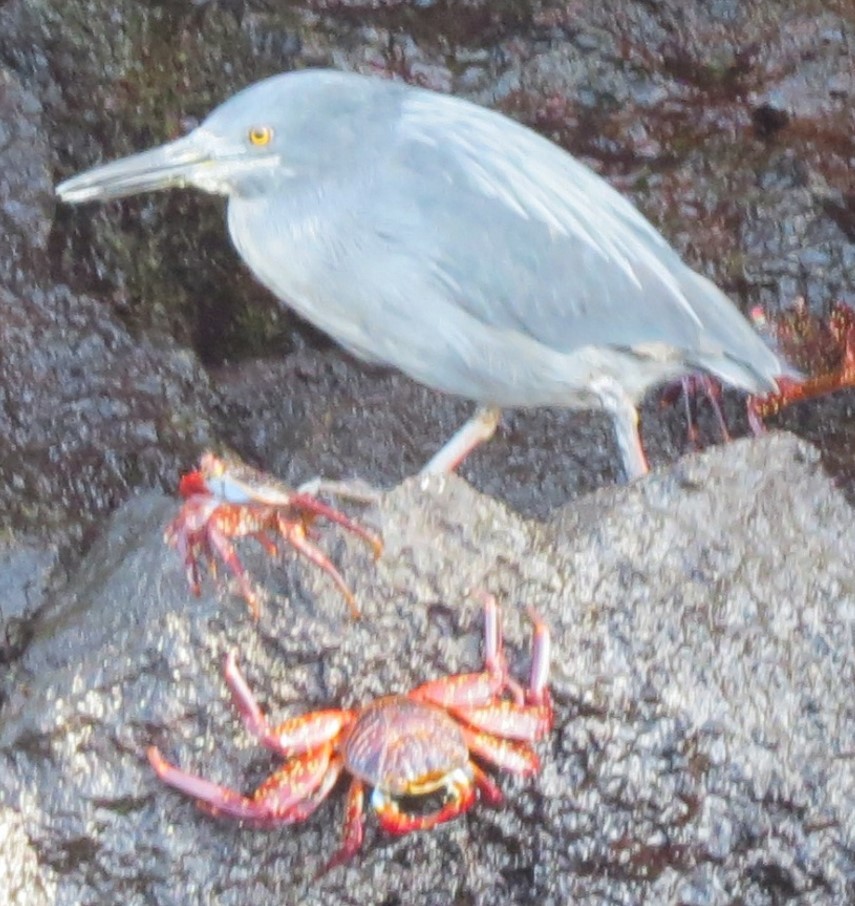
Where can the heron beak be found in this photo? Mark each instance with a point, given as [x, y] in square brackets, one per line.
[177, 163]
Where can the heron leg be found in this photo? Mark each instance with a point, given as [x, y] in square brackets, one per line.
[624, 414]
[482, 426]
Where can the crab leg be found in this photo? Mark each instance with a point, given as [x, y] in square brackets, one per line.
[479, 690]
[491, 793]
[354, 827]
[509, 754]
[202, 530]
[394, 821]
[191, 553]
[183, 533]
[309, 504]
[688, 387]
[221, 544]
[473, 689]
[266, 542]
[509, 720]
[541, 654]
[791, 391]
[292, 737]
[285, 797]
[295, 534]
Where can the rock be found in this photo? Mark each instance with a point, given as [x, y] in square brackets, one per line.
[25, 882]
[87, 410]
[703, 618]
[702, 625]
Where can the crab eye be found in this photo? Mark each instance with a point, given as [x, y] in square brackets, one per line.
[260, 135]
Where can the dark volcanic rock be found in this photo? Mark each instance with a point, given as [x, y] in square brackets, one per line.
[341, 420]
[26, 190]
[703, 626]
[703, 619]
[729, 123]
[87, 411]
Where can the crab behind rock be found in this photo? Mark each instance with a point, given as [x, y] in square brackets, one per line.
[225, 499]
[430, 740]
[823, 349]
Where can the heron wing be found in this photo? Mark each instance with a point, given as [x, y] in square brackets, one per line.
[526, 238]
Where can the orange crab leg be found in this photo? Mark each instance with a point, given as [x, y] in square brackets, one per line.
[292, 737]
[394, 821]
[225, 549]
[295, 534]
[822, 377]
[480, 690]
[509, 754]
[509, 720]
[793, 391]
[266, 542]
[460, 691]
[490, 792]
[285, 797]
[473, 689]
[354, 827]
[306, 503]
[186, 533]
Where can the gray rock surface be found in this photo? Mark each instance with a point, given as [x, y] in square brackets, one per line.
[703, 619]
[88, 411]
[703, 622]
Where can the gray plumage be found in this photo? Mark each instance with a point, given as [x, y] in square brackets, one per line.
[427, 233]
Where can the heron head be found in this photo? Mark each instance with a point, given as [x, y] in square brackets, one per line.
[271, 132]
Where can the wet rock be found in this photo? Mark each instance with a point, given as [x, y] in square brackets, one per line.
[26, 191]
[25, 883]
[28, 565]
[325, 414]
[87, 411]
[702, 623]
[703, 618]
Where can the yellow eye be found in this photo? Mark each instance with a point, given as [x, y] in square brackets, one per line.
[260, 135]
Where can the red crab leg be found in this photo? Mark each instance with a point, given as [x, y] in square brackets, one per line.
[354, 827]
[190, 553]
[481, 690]
[509, 720]
[309, 504]
[291, 737]
[394, 821]
[225, 549]
[693, 384]
[688, 388]
[791, 391]
[186, 533]
[511, 755]
[541, 654]
[282, 798]
[267, 543]
[490, 793]
[472, 689]
[295, 534]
